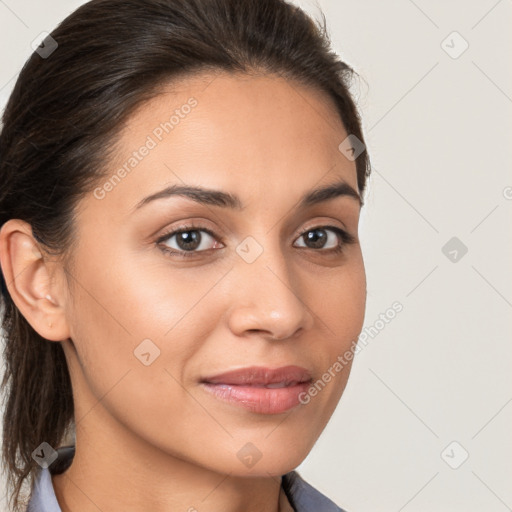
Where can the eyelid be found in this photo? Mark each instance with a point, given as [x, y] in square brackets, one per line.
[185, 227]
[346, 237]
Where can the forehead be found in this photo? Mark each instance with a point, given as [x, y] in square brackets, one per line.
[262, 136]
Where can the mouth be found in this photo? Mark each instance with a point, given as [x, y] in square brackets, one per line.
[261, 376]
[259, 389]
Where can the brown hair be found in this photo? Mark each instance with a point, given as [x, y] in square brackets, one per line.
[59, 124]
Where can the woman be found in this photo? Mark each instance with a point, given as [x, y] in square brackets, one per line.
[181, 189]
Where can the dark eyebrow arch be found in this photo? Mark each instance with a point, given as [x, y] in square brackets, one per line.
[226, 200]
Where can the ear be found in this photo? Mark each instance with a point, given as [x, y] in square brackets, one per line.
[28, 276]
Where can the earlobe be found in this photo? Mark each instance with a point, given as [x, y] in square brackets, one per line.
[28, 278]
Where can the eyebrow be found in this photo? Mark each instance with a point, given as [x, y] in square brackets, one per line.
[227, 200]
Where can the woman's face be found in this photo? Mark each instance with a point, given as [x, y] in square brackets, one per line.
[254, 281]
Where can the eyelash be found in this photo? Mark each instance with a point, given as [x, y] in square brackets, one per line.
[346, 239]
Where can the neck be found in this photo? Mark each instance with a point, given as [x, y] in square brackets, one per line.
[123, 472]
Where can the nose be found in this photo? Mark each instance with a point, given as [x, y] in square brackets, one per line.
[268, 298]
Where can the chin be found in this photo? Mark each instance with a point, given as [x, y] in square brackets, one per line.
[275, 468]
[266, 458]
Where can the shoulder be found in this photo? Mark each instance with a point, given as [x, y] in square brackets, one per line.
[304, 497]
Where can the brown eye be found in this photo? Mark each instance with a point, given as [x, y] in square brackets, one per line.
[326, 238]
[187, 241]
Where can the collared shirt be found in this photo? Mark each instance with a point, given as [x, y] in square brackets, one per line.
[296, 494]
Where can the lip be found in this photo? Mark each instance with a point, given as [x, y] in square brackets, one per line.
[247, 387]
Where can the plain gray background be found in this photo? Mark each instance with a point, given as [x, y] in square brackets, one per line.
[425, 420]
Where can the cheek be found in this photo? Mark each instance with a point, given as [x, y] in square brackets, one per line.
[350, 311]
[112, 316]
[137, 298]
[339, 302]
[340, 308]
[134, 307]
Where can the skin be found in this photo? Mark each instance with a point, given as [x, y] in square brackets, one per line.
[149, 437]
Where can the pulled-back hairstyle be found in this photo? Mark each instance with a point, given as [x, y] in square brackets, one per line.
[61, 121]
